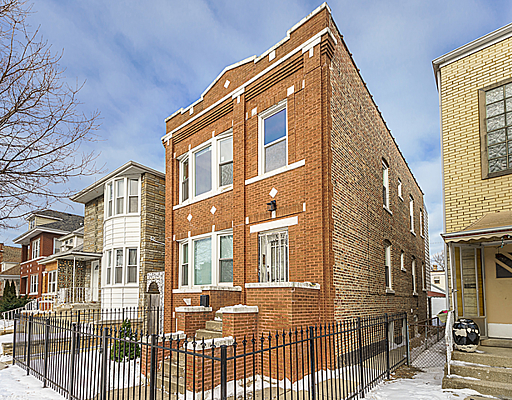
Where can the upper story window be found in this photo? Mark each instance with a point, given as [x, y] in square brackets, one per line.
[385, 184]
[122, 197]
[421, 222]
[36, 244]
[207, 169]
[32, 223]
[109, 267]
[400, 189]
[273, 256]
[498, 129]
[402, 261]
[56, 245]
[110, 199]
[413, 271]
[52, 281]
[411, 214]
[273, 131]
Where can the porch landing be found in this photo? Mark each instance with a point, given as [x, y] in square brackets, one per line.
[488, 371]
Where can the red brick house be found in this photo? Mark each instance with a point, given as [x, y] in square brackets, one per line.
[40, 241]
[287, 193]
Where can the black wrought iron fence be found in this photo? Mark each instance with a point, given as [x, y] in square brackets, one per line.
[341, 360]
[427, 346]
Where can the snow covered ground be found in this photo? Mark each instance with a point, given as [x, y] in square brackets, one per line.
[16, 385]
[423, 386]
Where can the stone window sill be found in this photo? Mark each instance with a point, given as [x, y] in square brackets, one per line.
[390, 291]
[387, 209]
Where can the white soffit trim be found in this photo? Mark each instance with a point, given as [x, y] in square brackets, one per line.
[280, 223]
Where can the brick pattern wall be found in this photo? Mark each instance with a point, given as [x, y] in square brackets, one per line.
[360, 141]
[93, 225]
[152, 254]
[467, 196]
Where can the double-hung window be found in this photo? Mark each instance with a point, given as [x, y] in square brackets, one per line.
[423, 281]
[208, 169]
[411, 214]
[387, 263]
[421, 222]
[119, 196]
[131, 267]
[34, 284]
[402, 261]
[273, 256]
[273, 126]
[413, 270]
[400, 189]
[226, 161]
[35, 248]
[52, 281]
[110, 199]
[385, 184]
[133, 195]
[109, 267]
[118, 269]
[207, 260]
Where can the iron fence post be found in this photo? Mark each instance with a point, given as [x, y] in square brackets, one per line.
[72, 361]
[312, 361]
[14, 342]
[104, 360]
[223, 372]
[29, 343]
[152, 368]
[407, 344]
[361, 362]
[46, 351]
[387, 344]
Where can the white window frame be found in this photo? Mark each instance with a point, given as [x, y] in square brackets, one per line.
[34, 284]
[116, 266]
[108, 268]
[269, 112]
[411, 214]
[52, 281]
[399, 188]
[387, 264]
[128, 265]
[32, 223]
[215, 262]
[221, 163]
[421, 222]
[182, 168]
[109, 210]
[36, 248]
[214, 143]
[423, 277]
[126, 196]
[413, 273]
[56, 245]
[385, 184]
[402, 261]
[287, 266]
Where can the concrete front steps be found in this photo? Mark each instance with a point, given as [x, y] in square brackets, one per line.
[212, 330]
[488, 371]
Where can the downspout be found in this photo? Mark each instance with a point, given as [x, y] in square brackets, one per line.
[446, 248]
[74, 265]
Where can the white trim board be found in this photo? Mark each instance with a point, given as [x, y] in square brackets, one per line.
[280, 223]
[502, 331]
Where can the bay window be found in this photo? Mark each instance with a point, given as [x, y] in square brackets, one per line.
[120, 196]
[118, 270]
[133, 195]
[273, 256]
[110, 199]
[132, 266]
[109, 267]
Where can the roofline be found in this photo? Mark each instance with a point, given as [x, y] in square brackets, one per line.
[252, 58]
[472, 47]
[76, 197]
[38, 229]
[38, 214]
[56, 256]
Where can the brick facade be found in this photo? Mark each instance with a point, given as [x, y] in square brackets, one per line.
[332, 187]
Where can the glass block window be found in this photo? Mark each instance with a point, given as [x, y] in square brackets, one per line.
[498, 123]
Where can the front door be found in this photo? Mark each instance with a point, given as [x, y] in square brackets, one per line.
[95, 275]
[498, 291]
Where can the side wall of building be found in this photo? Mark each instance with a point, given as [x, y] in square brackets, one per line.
[360, 142]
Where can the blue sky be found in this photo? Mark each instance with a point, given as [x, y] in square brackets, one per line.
[142, 61]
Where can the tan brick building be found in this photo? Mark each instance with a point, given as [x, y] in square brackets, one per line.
[286, 192]
[475, 94]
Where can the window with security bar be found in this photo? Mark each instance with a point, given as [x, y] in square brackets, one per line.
[273, 257]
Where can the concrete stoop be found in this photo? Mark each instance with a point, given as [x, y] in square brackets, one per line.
[7, 348]
[212, 330]
[489, 371]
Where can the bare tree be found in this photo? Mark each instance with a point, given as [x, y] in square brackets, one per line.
[41, 129]
[438, 259]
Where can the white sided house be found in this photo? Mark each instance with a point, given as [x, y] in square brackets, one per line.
[125, 221]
